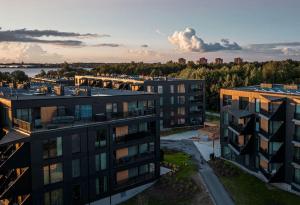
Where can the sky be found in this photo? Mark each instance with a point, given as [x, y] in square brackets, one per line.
[44, 31]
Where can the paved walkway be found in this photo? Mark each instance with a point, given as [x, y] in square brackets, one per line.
[219, 195]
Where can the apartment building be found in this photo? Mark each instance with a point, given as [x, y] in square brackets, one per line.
[181, 102]
[218, 61]
[72, 145]
[260, 130]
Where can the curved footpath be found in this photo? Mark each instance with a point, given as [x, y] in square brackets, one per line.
[216, 189]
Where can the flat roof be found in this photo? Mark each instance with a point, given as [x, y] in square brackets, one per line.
[275, 89]
[69, 91]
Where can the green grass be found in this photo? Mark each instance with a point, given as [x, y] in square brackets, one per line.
[187, 166]
[178, 189]
[248, 190]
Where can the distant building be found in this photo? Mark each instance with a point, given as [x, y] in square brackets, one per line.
[182, 61]
[218, 61]
[182, 102]
[202, 61]
[238, 60]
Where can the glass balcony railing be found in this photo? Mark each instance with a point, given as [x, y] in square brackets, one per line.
[133, 136]
[134, 159]
[69, 120]
[134, 180]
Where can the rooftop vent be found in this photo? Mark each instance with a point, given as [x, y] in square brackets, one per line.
[291, 87]
[266, 85]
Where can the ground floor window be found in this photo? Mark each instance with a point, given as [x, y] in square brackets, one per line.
[54, 197]
[101, 185]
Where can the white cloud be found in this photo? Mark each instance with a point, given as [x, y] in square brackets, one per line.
[187, 40]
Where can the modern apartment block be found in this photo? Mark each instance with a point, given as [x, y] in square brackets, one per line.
[260, 130]
[182, 102]
[72, 145]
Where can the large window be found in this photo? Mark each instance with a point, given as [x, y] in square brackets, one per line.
[150, 89]
[181, 100]
[161, 101]
[100, 161]
[75, 143]
[225, 118]
[52, 148]
[83, 112]
[181, 111]
[243, 103]
[172, 100]
[53, 173]
[111, 107]
[297, 133]
[100, 140]
[171, 88]
[54, 197]
[101, 185]
[75, 168]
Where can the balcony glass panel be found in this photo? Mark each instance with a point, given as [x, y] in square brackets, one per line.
[297, 176]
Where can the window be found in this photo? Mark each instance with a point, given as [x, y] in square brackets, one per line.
[53, 173]
[161, 124]
[24, 114]
[297, 154]
[181, 100]
[76, 194]
[111, 107]
[133, 172]
[161, 114]
[225, 118]
[160, 89]
[144, 169]
[143, 127]
[100, 140]
[150, 89]
[243, 103]
[297, 176]
[161, 101]
[227, 100]
[172, 113]
[75, 168]
[181, 121]
[75, 143]
[52, 148]
[257, 105]
[132, 151]
[143, 148]
[225, 133]
[298, 108]
[181, 88]
[297, 133]
[54, 197]
[101, 185]
[171, 88]
[83, 112]
[181, 111]
[172, 100]
[100, 161]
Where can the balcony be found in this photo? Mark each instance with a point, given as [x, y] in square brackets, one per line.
[276, 175]
[132, 137]
[134, 180]
[16, 185]
[65, 121]
[246, 128]
[297, 117]
[277, 135]
[296, 159]
[133, 159]
[274, 113]
[275, 157]
[14, 158]
[242, 149]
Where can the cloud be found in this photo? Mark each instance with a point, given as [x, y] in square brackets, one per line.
[287, 48]
[33, 36]
[187, 40]
[17, 52]
[144, 46]
[107, 45]
[159, 32]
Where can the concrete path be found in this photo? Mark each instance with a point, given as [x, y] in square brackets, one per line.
[217, 191]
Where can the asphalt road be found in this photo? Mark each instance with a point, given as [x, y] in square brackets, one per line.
[216, 189]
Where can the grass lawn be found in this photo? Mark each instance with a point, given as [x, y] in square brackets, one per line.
[175, 189]
[248, 190]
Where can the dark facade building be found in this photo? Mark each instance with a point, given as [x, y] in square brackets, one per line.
[182, 102]
[76, 145]
[218, 61]
[202, 61]
[260, 130]
[238, 61]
